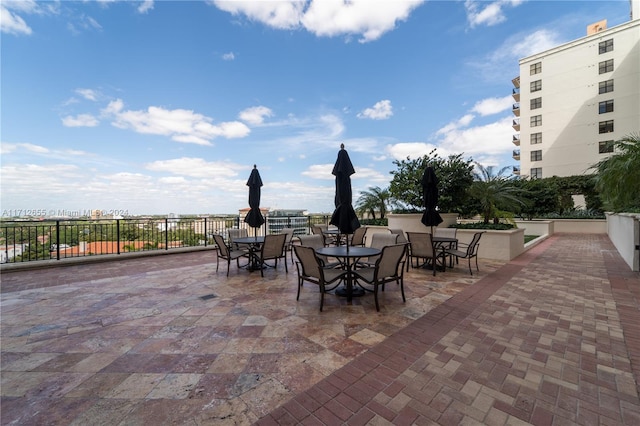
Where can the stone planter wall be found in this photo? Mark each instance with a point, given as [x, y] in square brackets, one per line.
[624, 232]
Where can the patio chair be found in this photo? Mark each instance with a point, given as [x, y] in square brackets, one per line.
[421, 247]
[379, 241]
[310, 268]
[357, 239]
[470, 251]
[448, 233]
[227, 253]
[288, 242]
[400, 233]
[273, 248]
[237, 233]
[315, 242]
[389, 267]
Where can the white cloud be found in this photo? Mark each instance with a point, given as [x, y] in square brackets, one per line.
[326, 18]
[380, 111]
[80, 120]
[488, 139]
[10, 22]
[181, 125]
[493, 105]
[145, 6]
[487, 13]
[229, 56]
[255, 115]
[196, 168]
[88, 94]
[413, 150]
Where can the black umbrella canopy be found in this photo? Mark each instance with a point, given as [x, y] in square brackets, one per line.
[254, 217]
[430, 217]
[344, 217]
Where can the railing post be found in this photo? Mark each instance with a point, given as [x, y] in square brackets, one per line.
[166, 233]
[57, 240]
[205, 232]
[118, 234]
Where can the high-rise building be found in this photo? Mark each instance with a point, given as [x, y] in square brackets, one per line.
[574, 100]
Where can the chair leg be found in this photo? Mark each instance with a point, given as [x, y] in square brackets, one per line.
[375, 296]
[217, 262]
[477, 269]
[470, 271]
[321, 297]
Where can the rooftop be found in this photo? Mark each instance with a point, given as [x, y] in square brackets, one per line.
[552, 337]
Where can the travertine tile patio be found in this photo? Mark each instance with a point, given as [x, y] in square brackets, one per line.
[552, 337]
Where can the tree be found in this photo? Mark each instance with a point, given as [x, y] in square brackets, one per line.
[618, 177]
[372, 201]
[494, 192]
[455, 176]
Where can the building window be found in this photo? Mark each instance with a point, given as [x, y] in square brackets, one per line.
[536, 138]
[535, 68]
[536, 85]
[536, 173]
[605, 106]
[605, 66]
[536, 103]
[605, 147]
[605, 86]
[605, 46]
[536, 120]
[605, 126]
[536, 155]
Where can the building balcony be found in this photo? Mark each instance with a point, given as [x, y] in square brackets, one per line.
[516, 109]
[516, 82]
[516, 154]
[516, 124]
[516, 170]
[516, 139]
[516, 94]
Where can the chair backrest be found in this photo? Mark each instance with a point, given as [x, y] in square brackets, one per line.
[314, 241]
[400, 233]
[472, 248]
[224, 250]
[381, 240]
[357, 239]
[446, 232]
[421, 244]
[273, 246]
[308, 261]
[289, 235]
[237, 233]
[390, 258]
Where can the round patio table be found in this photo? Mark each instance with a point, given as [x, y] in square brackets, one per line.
[348, 256]
[254, 244]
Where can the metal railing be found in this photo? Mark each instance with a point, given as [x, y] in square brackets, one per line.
[56, 239]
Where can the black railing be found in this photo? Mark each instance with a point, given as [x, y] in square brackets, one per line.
[34, 240]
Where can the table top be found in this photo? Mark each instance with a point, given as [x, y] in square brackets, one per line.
[444, 239]
[331, 231]
[344, 251]
[249, 240]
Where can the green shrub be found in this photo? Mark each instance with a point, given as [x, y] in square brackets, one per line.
[482, 225]
[374, 222]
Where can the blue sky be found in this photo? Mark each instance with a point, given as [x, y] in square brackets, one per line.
[158, 107]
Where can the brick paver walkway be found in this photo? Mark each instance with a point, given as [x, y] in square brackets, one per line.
[550, 338]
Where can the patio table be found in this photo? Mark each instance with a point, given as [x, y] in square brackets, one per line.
[348, 256]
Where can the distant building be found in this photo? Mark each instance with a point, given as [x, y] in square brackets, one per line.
[574, 100]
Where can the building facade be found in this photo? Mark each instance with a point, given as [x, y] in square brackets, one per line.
[574, 100]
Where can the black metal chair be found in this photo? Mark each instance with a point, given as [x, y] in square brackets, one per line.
[273, 248]
[227, 253]
[421, 247]
[470, 252]
[388, 268]
[311, 268]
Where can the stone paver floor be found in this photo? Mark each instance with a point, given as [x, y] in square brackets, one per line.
[552, 337]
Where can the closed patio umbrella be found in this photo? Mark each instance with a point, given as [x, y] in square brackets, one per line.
[254, 218]
[344, 216]
[430, 217]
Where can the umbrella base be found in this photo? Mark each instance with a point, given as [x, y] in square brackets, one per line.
[355, 292]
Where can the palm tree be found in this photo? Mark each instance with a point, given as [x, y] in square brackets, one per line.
[494, 191]
[618, 177]
[374, 200]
